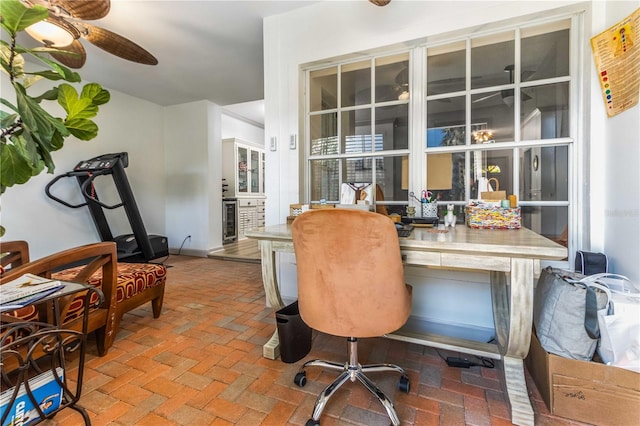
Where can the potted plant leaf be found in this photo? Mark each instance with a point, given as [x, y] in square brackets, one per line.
[29, 132]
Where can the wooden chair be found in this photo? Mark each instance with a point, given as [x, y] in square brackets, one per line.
[97, 257]
[125, 286]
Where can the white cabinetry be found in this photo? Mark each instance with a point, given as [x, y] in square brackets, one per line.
[243, 168]
[250, 214]
[243, 172]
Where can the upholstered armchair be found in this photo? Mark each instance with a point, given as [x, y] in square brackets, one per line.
[125, 287]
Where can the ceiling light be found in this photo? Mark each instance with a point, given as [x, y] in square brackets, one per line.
[52, 34]
[404, 96]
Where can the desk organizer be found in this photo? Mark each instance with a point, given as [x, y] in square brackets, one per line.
[493, 217]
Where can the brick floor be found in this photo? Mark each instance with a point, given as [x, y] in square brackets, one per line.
[201, 363]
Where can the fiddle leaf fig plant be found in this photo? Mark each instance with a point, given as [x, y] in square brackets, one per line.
[29, 133]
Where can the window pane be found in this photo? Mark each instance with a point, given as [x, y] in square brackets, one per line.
[491, 59]
[324, 134]
[392, 124]
[392, 77]
[255, 171]
[356, 131]
[495, 110]
[550, 221]
[544, 173]
[545, 111]
[392, 176]
[323, 89]
[357, 170]
[544, 51]
[445, 122]
[446, 68]
[493, 168]
[356, 84]
[242, 169]
[446, 176]
[325, 180]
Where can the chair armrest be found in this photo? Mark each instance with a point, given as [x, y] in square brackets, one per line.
[93, 257]
[13, 254]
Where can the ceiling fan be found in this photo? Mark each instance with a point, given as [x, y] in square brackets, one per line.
[65, 26]
[508, 94]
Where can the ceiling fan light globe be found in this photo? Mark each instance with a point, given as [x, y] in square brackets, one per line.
[50, 34]
[404, 96]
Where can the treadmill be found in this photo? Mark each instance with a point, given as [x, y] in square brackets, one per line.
[136, 247]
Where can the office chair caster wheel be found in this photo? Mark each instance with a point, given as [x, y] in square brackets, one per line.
[301, 380]
[312, 422]
[404, 385]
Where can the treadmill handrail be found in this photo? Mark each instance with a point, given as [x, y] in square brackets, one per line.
[53, 197]
[87, 195]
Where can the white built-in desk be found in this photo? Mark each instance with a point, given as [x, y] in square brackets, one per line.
[513, 259]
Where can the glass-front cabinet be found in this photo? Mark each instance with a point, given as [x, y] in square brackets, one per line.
[243, 168]
[243, 171]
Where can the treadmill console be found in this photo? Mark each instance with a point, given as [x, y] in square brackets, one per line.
[103, 162]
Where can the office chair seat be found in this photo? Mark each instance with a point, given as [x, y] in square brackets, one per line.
[350, 284]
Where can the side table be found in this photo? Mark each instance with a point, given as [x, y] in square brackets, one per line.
[34, 353]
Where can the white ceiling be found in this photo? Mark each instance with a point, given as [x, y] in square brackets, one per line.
[206, 50]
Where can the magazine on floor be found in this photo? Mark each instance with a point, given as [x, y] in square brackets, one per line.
[46, 391]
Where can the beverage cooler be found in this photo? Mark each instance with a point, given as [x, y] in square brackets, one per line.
[229, 220]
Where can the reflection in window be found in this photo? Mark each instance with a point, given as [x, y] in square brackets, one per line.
[324, 90]
[325, 180]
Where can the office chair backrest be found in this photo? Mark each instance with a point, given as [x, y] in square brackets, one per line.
[350, 274]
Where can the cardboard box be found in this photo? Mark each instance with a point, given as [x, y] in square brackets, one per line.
[589, 392]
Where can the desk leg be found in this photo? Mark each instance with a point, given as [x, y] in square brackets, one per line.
[513, 313]
[271, 349]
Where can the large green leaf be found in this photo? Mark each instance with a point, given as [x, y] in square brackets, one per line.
[76, 107]
[82, 128]
[95, 92]
[15, 16]
[57, 71]
[15, 168]
[9, 104]
[34, 118]
[17, 66]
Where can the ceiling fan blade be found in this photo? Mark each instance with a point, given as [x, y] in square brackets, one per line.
[485, 98]
[72, 61]
[84, 9]
[118, 45]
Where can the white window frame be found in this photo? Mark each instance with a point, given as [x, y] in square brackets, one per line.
[577, 141]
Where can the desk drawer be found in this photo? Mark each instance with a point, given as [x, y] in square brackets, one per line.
[424, 258]
[486, 263]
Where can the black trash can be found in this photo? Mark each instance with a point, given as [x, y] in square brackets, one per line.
[294, 334]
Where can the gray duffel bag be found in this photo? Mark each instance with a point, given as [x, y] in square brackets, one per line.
[565, 314]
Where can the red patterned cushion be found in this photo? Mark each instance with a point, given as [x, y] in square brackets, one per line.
[133, 278]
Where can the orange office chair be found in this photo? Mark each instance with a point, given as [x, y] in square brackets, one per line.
[350, 284]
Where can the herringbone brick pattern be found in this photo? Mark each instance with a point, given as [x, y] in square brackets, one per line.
[201, 363]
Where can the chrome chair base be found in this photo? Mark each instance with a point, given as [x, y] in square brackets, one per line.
[353, 371]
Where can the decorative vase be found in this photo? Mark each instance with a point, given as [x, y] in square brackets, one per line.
[429, 209]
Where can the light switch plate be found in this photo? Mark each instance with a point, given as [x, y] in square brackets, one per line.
[273, 145]
[293, 139]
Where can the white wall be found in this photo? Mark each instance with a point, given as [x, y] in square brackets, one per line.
[236, 127]
[302, 36]
[194, 134]
[193, 151]
[125, 124]
[621, 183]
